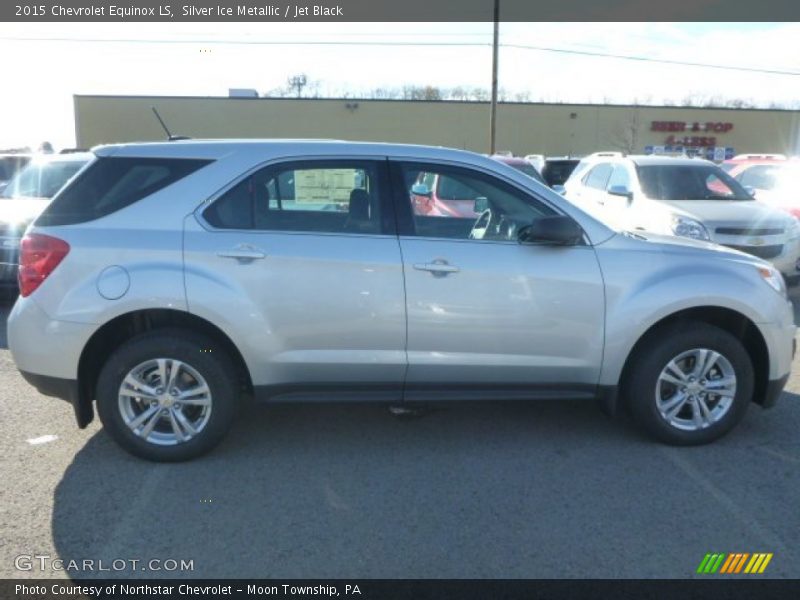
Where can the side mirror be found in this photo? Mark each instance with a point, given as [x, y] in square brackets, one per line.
[559, 189]
[621, 190]
[420, 189]
[558, 230]
[751, 191]
[481, 205]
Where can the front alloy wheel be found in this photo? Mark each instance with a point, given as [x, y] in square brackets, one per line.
[689, 383]
[696, 389]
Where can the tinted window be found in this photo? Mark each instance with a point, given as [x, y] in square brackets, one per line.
[529, 170]
[556, 172]
[319, 196]
[110, 184]
[597, 178]
[620, 178]
[464, 204]
[689, 182]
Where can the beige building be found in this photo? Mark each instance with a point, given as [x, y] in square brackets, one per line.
[523, 128]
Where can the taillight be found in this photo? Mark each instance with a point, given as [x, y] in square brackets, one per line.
[39, 255]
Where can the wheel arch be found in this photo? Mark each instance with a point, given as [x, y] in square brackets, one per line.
[732, 321]
[122, 328]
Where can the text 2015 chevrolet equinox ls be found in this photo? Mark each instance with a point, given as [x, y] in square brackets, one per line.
[169, 280]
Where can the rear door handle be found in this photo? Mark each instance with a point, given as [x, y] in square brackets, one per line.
[242, 254]
[437, 267]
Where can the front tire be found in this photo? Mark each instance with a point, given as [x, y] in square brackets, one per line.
[167, 395]
[690, 385]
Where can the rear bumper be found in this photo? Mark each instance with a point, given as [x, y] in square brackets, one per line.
[65, 389]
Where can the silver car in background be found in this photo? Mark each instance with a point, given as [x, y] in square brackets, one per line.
[169, 281]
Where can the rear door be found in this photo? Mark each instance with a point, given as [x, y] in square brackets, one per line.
[489, 317]
[301, 261]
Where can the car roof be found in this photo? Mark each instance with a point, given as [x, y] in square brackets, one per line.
[267, 148]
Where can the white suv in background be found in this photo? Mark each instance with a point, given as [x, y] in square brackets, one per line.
[684, 197]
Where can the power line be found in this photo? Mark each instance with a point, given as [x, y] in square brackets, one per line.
[412, 44]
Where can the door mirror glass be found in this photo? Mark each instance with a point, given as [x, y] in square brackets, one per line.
[620, 190]
[558, 230]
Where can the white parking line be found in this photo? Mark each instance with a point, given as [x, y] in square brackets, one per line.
[42, 440]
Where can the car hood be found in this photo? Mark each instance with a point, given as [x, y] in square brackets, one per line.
[673, 243]
[747, 212]
[21, 211]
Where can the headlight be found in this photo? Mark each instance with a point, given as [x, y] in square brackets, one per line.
[773, 278]
[686, 227]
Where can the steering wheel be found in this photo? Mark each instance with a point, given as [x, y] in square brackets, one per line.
[481, 225]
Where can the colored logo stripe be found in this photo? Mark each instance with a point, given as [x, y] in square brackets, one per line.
[734, 563]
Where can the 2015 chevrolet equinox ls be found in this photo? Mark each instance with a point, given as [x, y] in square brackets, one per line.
[170, 280]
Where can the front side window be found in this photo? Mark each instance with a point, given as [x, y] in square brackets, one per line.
[318, 196]
[689, 182]
[620, 178]
[450, 202]
[597, 178]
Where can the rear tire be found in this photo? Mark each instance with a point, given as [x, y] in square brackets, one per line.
[689, 385]
[168, 395]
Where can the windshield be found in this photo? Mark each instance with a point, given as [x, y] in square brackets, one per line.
[785, 179]
[689, 182]
[42, 179]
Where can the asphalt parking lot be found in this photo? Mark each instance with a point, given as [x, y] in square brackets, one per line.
[552, 489]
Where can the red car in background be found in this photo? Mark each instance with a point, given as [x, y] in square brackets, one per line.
[773, 179]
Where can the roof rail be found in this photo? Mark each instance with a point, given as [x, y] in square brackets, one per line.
[760, 157]
[606, 154]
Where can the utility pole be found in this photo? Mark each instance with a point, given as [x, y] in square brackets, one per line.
[493, 125]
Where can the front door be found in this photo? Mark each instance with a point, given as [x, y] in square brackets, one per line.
[489, 317]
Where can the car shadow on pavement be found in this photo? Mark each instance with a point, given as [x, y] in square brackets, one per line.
[545, 489]
[348, 491]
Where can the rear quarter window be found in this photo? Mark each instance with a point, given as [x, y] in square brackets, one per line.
[112, 183]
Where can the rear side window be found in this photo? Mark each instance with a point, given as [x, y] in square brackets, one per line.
[110, 184]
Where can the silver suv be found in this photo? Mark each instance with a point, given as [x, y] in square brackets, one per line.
[169, 282]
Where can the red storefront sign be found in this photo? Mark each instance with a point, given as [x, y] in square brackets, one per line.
[691, 141]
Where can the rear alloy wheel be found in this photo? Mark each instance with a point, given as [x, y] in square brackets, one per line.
[167, 395]
[165, 401]
[691, 385]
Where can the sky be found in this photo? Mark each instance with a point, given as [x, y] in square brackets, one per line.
[46, 63]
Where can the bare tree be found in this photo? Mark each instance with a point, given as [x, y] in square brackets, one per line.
[625, 135]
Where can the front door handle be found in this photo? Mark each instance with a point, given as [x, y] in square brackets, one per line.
[439, 268]
[242, 253]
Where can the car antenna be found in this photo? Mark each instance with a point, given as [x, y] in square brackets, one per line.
[170, 137]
